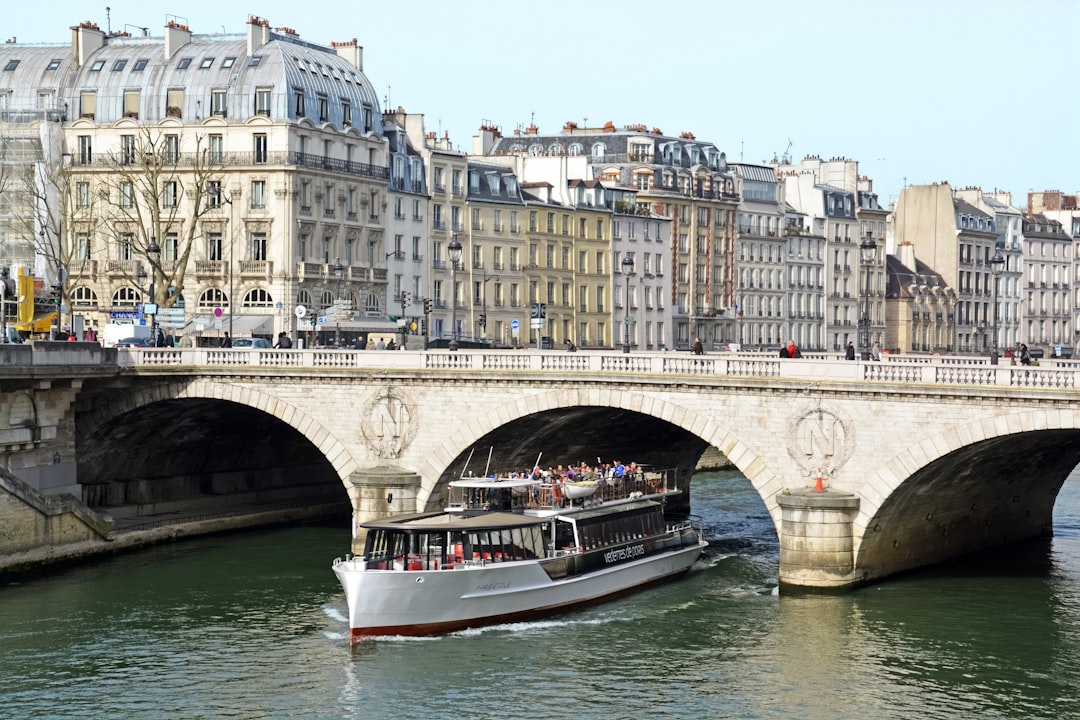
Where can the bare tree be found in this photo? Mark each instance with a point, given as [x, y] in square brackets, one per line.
[155, 190]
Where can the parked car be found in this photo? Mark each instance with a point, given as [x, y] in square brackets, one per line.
[135, 342]
[251, 342]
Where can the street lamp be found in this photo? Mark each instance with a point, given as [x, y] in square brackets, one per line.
[997, 264]
[454, 250]
[153, 253]
[338, 269]
[867, 253]
[627, 268]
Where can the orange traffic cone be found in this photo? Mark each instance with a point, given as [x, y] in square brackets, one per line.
[818, 487]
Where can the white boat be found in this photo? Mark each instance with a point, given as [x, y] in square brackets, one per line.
[498, 555]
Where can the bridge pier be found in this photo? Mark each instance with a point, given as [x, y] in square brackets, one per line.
[816, 540]
[380, 492]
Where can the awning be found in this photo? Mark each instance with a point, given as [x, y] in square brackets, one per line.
[42, 323]
[241, 325]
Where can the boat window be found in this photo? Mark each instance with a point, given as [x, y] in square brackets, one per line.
[564, 536]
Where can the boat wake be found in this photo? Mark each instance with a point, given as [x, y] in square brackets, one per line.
[535, 625]
[335, 614]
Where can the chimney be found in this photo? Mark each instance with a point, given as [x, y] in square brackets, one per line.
[258, 33]
[176, 37]
[86, 39]
[351, 51]
[905, 253]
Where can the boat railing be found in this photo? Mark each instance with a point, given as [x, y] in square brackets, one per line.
[639, 483]
[688, 522]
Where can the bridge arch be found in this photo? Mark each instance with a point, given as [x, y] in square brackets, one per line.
[107, 408]
[441, 465]
[968, 488]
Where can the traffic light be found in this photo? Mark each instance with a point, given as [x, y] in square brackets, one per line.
[404, 299]
[427, 306]
[483, 320]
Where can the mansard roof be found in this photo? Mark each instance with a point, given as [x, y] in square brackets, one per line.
[284, 65]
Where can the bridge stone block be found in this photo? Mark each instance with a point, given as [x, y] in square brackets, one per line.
[381, 492]
[817, 540]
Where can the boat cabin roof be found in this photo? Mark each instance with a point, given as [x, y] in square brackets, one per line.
[494, 483]
[436, 522]
[612, 509]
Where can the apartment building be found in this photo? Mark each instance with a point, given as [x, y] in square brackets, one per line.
[680, 178]
[241, 176]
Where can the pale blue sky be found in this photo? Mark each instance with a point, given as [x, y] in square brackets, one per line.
[976, 92]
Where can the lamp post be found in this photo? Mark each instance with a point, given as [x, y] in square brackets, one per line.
[867, 253]
[339, 270]
[153, 253]
[997, 264]
[627, 268]
[454, 249]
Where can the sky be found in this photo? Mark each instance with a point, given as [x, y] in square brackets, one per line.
[973, 92]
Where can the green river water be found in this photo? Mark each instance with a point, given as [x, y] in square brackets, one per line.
[253, 625]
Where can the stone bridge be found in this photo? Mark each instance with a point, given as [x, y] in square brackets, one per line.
[920, 460]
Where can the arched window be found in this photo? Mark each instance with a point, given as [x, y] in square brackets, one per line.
[599, 150]
[536, 149]
[327, 299]
[575, 149]
[212, 298]
[555, 149]
[83, 297]
[126, 297]
[303, 297]
[372, 304]
[258, 298]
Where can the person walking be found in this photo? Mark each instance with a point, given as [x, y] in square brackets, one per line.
[698, 349]
[850, 352]
[226, 341]
[1025, 355]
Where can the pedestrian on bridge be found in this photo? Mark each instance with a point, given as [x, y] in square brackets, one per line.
[849, 354]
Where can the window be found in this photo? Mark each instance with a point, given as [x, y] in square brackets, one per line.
[83, 297]
[213, 246]
[258, 194]
[213, 298]
[346, 113]
[184, 63]
[255, 60]
[170, 250]
[119, 65]
[172, 149]
[131, 104]
[169, 194]
[127, 195]
[258, 298]
[219, 100]
[262, 101]
[258, 246]
[228, 62]
[140, 64]
[174, 103]
[126, 248]
[87, 105]
[82, 246]
[82, 194]
[213, 193]
[260, 142]
[298, 98]
[86, 154]
[206, 63]
[96, 67]
[53, 64]
[216, 149]
[324, 109]
[127, 149]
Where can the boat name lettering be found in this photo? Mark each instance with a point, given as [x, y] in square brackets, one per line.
[493, 586]
[626, 553]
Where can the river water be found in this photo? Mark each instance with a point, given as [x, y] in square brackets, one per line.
[253, 626]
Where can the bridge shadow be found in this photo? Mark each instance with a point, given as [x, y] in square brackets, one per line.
[178, 459]
[572, 435]
[987, 495]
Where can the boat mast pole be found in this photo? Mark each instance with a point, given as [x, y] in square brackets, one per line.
[488, 466]
[467, 461]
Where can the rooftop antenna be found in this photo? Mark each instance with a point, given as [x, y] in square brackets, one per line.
[145, 30]
[786, 157]
[108, 20]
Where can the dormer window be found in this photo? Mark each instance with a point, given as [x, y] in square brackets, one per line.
[184, 63]
[53, 64]
[206, 63]
[119, 65]
[96, 67]
[140, 64]
[228, 62]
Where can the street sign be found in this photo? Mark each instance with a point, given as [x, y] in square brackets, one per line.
[538, 310]
[537, 323]
[514, 324]
[300, 311]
